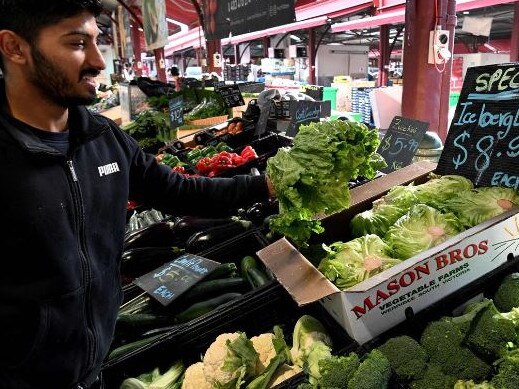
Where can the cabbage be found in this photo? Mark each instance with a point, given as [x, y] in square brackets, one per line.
[421, 228]
[439, 189]
[377, 220]
[401, 195]
[473, 207]
[347, 264]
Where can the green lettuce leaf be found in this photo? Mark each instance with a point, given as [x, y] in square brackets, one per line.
[352, 262]
[421, 228]
[311, 178]
[473, 207]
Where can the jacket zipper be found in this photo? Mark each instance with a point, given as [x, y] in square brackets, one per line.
[87, 276]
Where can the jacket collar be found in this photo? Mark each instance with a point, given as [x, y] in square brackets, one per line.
[84, 126]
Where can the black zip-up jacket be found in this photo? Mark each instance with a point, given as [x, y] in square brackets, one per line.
[63, 220]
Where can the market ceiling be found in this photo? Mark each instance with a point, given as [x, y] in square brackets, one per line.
[355, 11]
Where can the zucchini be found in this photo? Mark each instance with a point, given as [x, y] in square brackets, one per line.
[131, 347]
[204, 307]
[139, 304]
[224, 270]
[139, 323]
[205, 289]
[249, 270]
[208, 238]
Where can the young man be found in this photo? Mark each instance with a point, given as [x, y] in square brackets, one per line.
[66, 176]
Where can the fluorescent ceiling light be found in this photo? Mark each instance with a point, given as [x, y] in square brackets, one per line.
[183, 27]
[296, 38]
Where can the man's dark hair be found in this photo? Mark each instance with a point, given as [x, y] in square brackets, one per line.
[28, 17]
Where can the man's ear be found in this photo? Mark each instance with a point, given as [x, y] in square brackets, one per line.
[13, 47]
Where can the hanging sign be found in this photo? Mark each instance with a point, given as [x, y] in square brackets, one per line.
[483, 140]
[231, 95]
[401, 141]
[304, 112]
[174, 278]
[176, 112]
[236, 17]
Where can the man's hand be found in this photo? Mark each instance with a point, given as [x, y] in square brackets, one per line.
[270, 188]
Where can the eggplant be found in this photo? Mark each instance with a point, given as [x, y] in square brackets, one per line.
[259, 211]
[208, 238]
[155, 235]
[141, 260]
[188, 225]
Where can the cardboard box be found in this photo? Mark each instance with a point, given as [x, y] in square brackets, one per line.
[381, 302]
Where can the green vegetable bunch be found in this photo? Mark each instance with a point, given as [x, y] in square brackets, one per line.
[311, 178]
[149, 127]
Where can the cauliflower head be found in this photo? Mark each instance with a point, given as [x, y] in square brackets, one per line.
[265, 348]
[230, 360]
[194, 377]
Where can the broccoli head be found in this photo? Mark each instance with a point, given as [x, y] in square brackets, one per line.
[434, 378]
[507, 295]
[442, 341]
[407, 357]
[336, 371]
[373, 373]
[490, 333]
[460, 384]
[508, 371]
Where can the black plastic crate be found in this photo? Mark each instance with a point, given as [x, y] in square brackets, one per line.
[233, 250]
[256, 315]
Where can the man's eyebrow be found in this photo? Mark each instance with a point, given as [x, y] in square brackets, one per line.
[81, 33]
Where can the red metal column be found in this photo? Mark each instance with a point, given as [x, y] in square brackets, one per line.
[448, 21]
[423, 93]
[311, 56]
[160, 63]
[384, 56]
[514, 44]
[266, 45]
[237, 54]
[136, 43]
[213, 47]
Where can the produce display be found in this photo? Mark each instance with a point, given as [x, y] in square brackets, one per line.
[312, 177]
[409, 220]
[222, 161]
[149, 127]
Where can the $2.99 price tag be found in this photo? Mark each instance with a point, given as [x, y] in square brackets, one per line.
[483, 140]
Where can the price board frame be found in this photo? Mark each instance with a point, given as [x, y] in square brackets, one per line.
[401, 141]
[483, 140]
[304, 112]
[231, 95]
[166, 283]
[176, 112]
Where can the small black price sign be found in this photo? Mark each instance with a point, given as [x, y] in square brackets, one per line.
[231, 95]
[400, 142]
[314, 91]
[303, 112]
[176, 111]
[174, 278]
[483, 140]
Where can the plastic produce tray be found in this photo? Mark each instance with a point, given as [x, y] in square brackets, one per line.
[255, 315]
[232, 250]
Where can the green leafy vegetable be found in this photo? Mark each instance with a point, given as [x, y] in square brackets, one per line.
[421, 228]
[312, 177]
[352, 262]
[475, 206]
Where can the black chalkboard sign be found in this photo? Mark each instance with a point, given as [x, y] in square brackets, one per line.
[176, 111]
[261, 125]
[169, 281]
[231, 95]
[401, 141]
[314, 91]
[303, 112]
[483, 140]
